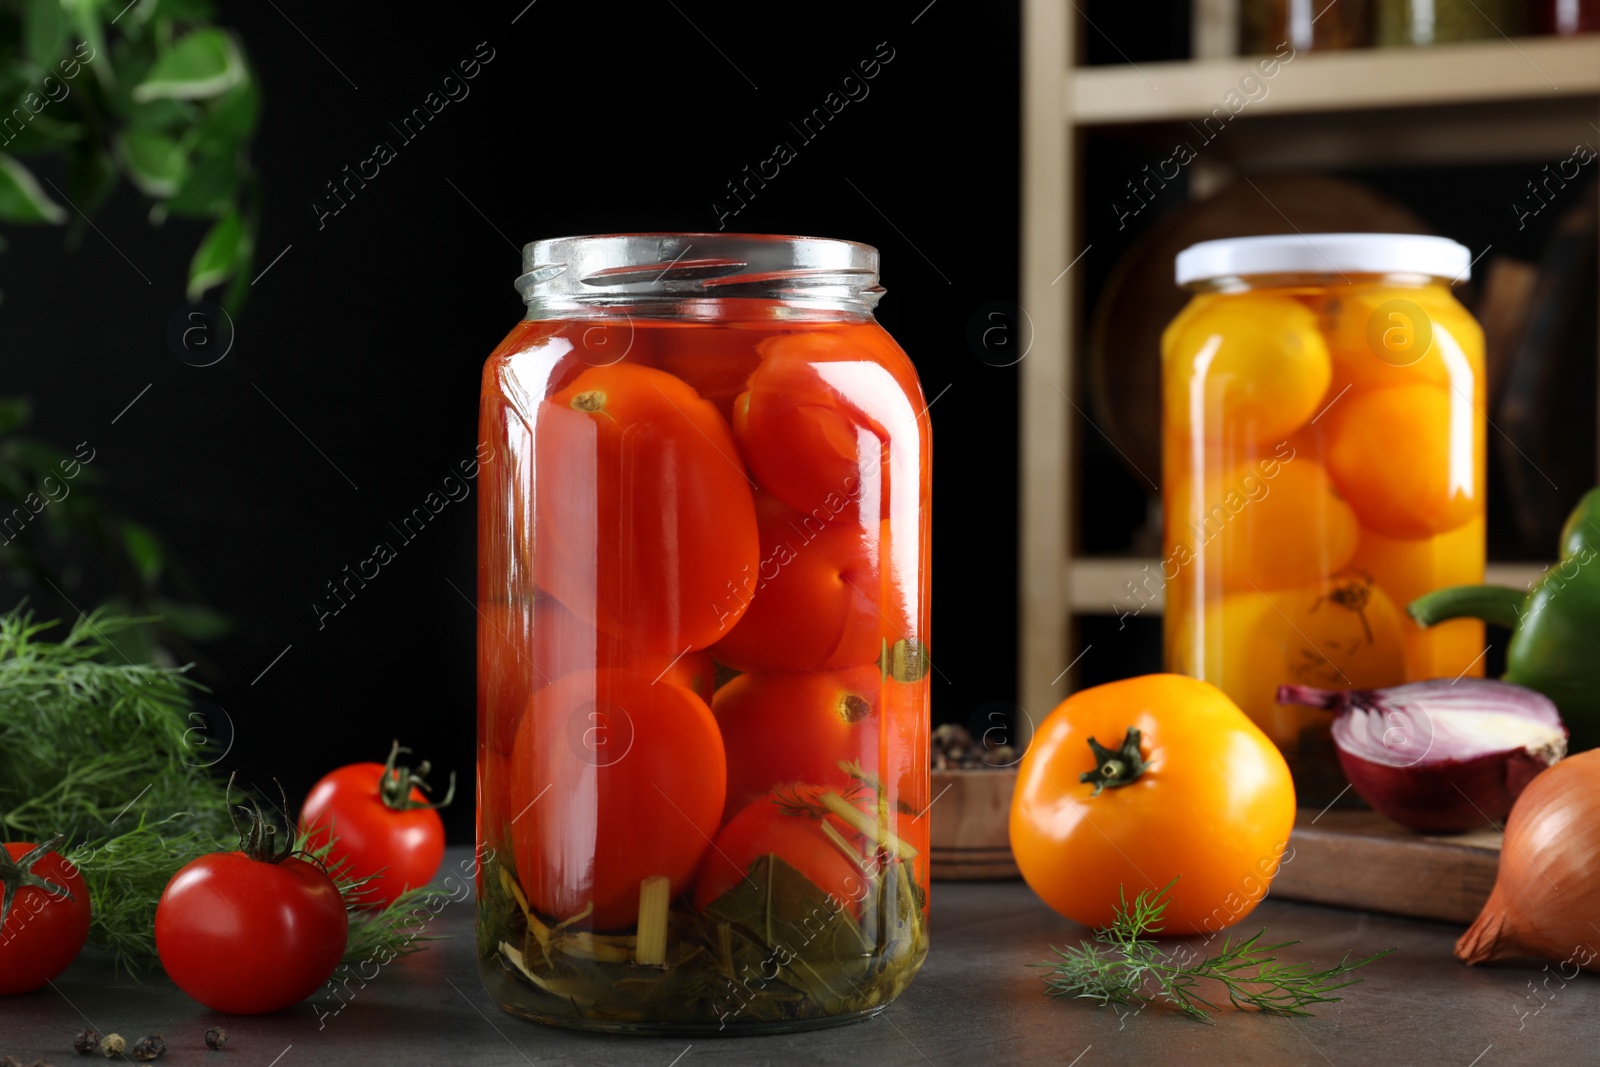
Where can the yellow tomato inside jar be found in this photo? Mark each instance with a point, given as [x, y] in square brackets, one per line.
[1324, 451]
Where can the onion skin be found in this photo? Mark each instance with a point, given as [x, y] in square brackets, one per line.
[1427, 793]
[1546, 898]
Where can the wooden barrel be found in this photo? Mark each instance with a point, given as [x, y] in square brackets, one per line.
[970, 825]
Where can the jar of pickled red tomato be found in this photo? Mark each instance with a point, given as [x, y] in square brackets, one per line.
[1323, 400]
[702, 649]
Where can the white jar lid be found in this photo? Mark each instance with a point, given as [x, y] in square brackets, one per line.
[1325, 253]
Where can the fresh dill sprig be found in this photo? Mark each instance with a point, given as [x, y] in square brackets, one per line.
[109, 753]
[374, 932]
[1124, 966]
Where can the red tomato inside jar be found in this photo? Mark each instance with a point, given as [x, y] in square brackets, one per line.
[703, 634]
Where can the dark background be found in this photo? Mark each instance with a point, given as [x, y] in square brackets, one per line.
[351, 387]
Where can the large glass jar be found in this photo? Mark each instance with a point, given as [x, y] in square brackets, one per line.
[703, 590]
[1323, 466]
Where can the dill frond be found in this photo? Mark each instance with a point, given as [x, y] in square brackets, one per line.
[1125, 966]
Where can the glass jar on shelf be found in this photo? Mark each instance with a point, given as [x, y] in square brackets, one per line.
[1425, 22]
[703, 599]
[1323, 466]
[1304, 25]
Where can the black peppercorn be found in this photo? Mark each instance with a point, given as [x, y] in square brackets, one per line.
[87, 1042]
[216, 1037]
[148, 1048]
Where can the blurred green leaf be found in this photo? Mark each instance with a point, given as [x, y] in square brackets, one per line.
[209, 189]
[132, 57]
[35, 457]
[144, 549]
[14, 413]
[192, 621]
[218, 256]
[232, 117]
[155, 161]
[185, 10]
[204, 64]
[86, 17]
[44, 133]
[91, 176]
[162, 115]
[47, 30]
[21, 199]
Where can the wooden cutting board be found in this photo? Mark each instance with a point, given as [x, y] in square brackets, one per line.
[1359, 859]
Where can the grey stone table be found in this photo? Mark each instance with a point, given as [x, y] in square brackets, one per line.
[975, 1002]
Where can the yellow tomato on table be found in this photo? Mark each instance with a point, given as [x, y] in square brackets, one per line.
[1129, 785]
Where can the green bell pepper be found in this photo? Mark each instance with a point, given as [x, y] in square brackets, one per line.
[1555, 625]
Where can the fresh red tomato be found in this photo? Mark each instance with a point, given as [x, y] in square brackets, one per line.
[615, 779]
[822, 412]
[774, 825]
[635, 469]
[382, 825]
[820, 596]
[522, 651]
[785, 728]
[47, 916]
[251, 931]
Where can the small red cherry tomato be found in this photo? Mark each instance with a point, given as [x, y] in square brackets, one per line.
[45, 920]
[382, 826]
[251, 931]
[615, 779]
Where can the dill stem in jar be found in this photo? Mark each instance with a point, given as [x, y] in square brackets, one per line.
[654, 896]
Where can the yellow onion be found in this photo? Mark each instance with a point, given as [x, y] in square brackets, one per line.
[1546, 898]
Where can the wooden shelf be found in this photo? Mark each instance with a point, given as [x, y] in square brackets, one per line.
[1530, 69]
[1531, 99]
[1099, 585]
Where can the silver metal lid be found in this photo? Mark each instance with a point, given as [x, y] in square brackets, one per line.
[564, 273]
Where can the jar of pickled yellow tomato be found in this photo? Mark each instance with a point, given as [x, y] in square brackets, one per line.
[1323, 463]
[702, 643]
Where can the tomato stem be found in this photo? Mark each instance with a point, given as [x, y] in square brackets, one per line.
[1115, 767]
[257, 838]
[18, 873]
[397, 782]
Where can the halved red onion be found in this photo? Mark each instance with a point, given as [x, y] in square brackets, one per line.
[1440, 756]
